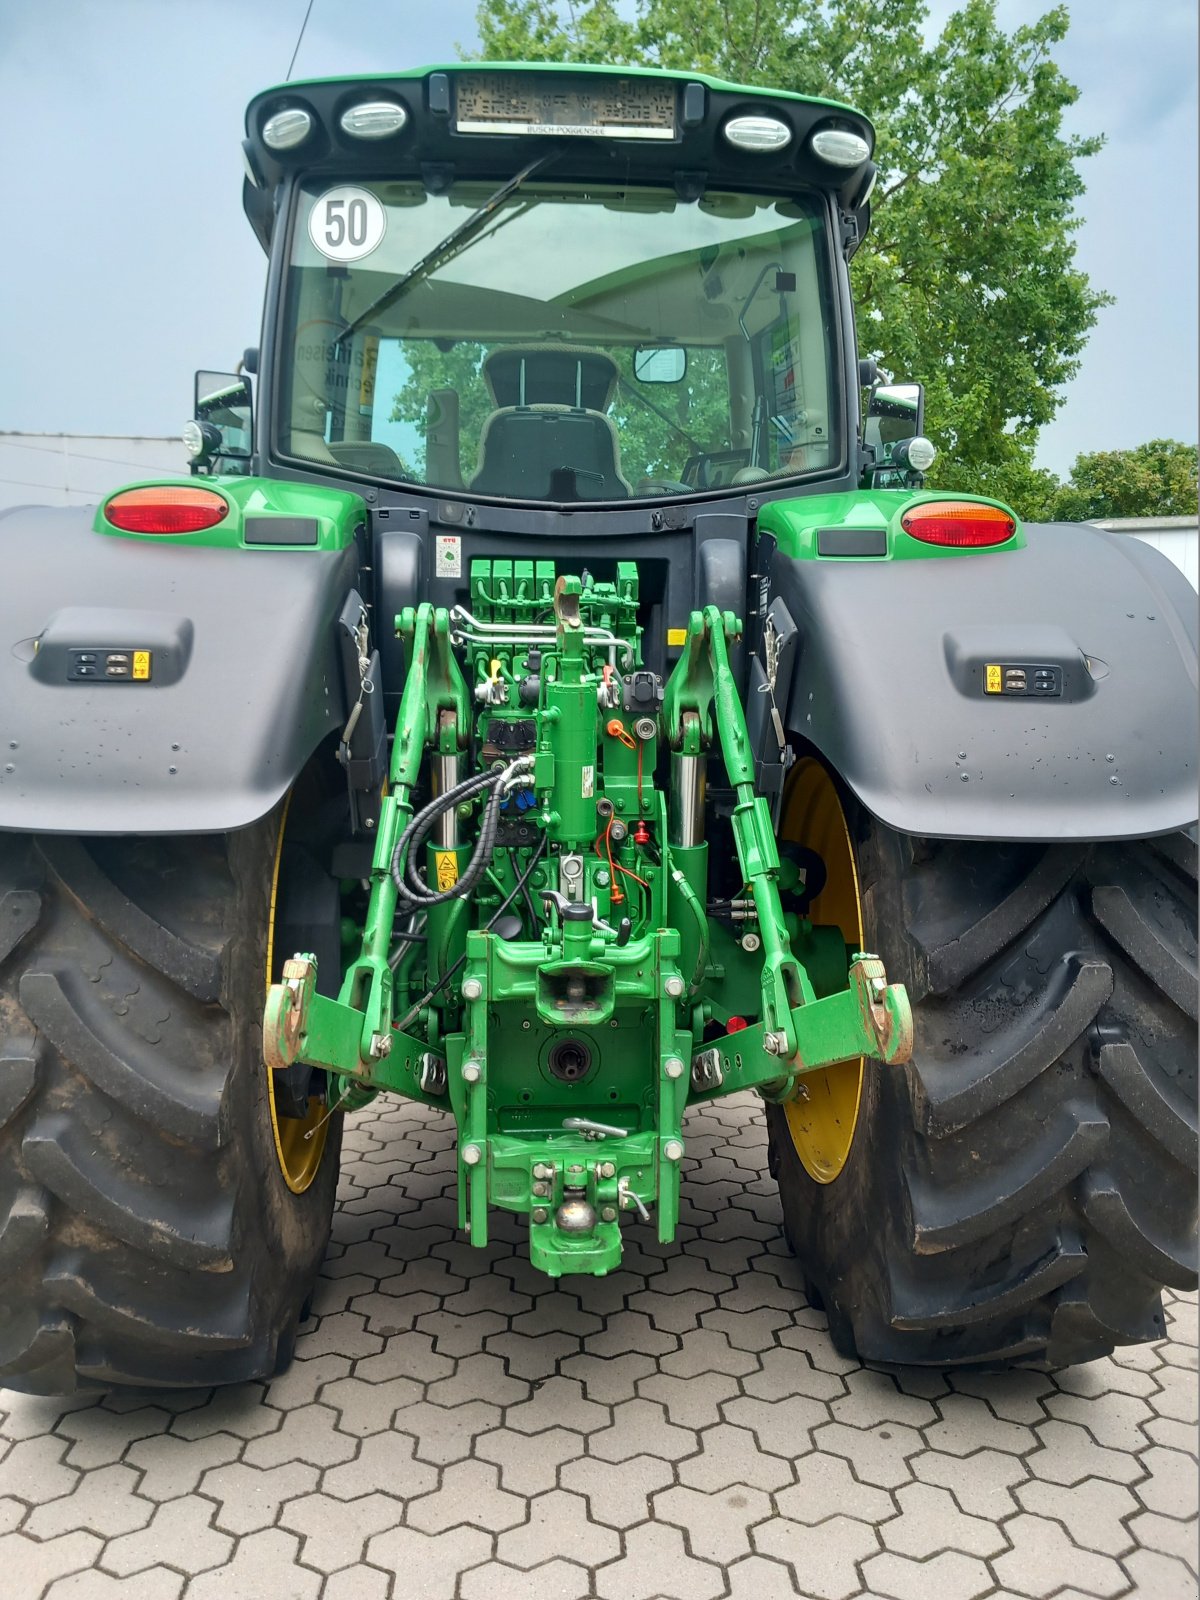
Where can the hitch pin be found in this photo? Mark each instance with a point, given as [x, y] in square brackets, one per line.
[594, 1130]
[626, 1198]
[316, 1128]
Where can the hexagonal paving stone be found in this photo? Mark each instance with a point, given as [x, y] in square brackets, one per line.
[717, 1525]
[469, 1492]
[558, 1525]
[617, 1493]
[334, 1533]
[384, 1461]
[730, 1455]
[556, 1580]
[1043, 1560]
[261, 1564]
[950, 1575]
[248, 1498]
[30, 1565]
[101, 1502]
[656, 1566]
[180, 1534]
[34, 1470]
[824, 1560]
[430, 1562]
[529, 1463]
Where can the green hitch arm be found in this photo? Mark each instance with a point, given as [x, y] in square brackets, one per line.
[703, 684]
[870, 1018]
[798, 1032]
[353, 1035]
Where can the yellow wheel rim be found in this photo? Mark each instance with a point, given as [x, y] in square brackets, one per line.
[299, 1156]
[822, 1127]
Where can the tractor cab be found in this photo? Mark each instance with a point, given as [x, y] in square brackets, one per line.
[558, 286]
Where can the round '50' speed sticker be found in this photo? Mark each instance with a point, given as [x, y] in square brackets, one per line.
[346, 223]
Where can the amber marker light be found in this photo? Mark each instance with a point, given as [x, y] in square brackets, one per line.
[166, 510]
[961, 524]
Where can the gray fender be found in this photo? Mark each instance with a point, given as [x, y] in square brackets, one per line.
[245, 680]
[887, 682]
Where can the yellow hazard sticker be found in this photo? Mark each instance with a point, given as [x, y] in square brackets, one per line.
[141, 665]
[446, 864]
[676, 636]
[993, 681]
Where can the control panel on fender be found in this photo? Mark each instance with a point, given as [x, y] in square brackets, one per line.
[1022, 678]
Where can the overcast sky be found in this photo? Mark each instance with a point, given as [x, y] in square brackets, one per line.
[127, 261]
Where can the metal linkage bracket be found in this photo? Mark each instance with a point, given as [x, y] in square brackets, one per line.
[354, 1035]
[798, 1033]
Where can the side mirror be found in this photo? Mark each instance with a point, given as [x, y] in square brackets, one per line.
[899, 408]
[222, 424]
[659, 363]
[895, 431]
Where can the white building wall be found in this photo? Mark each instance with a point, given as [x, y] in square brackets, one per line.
[64, 469]
[1177, 538]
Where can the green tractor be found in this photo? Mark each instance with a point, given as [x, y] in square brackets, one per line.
[557, 700]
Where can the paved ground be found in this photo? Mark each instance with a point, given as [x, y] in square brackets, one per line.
[454, 1426]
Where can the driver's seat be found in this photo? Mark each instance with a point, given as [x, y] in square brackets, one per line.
[549, 437]
[550, 452]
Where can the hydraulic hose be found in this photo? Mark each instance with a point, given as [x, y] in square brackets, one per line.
[521, 884]
[411, 888]
[692, 901]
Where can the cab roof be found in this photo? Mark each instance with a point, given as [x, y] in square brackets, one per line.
[694, 153]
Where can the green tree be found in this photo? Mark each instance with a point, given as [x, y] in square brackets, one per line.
[968, 279]
[1157, 479]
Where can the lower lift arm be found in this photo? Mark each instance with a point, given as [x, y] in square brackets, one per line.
[798, 1033]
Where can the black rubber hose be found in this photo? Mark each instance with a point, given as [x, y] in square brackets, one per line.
[410, 886]
[414, 836]
[521, 884]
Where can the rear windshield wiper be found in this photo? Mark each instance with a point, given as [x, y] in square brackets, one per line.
[445, 247]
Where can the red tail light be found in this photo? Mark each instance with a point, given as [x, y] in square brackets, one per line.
[964, 524]
[166, 510]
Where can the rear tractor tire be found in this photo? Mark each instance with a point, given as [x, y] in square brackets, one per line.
[1021, 1191]
[159, 1224]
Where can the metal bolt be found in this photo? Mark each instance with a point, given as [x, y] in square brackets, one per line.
[471, 1071]
[542, 1190]
[540, 1214]
[608, 1213]
[751, 942]
[673, 1067]
[608, 1170]
[526, 1025]
[472, 1155]
[381, 1045]
[541, 1170]
[673, 1150]
[602, 879]
[674, 987]
[369, 824]
[472, 988]
[775, 1044]
[575, 1169]
[879, 987]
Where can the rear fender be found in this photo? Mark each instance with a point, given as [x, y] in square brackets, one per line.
[244, 673]
[888, 681]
